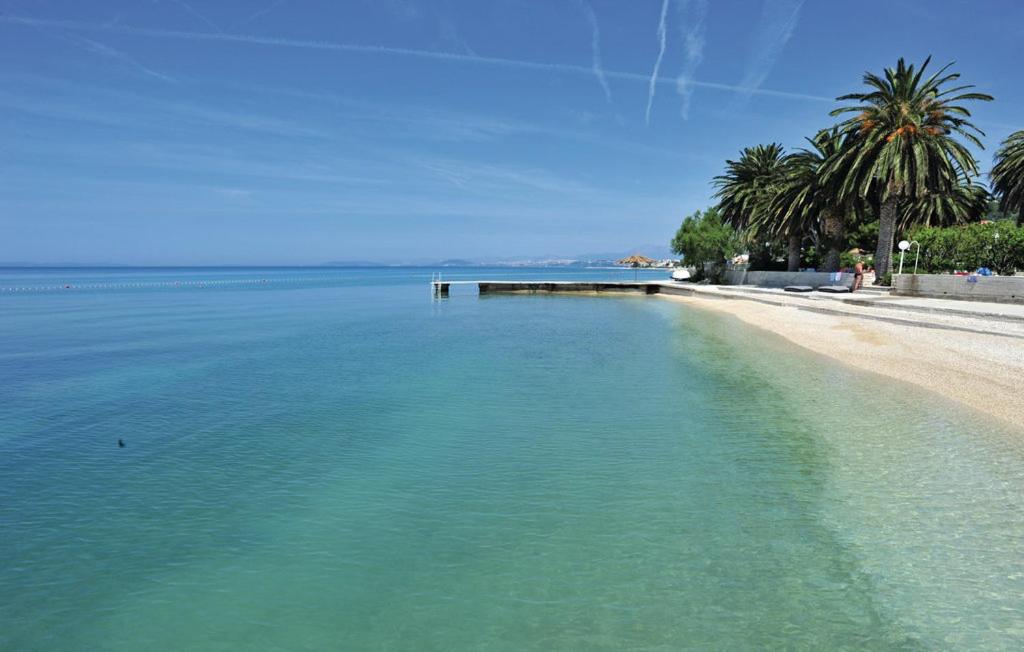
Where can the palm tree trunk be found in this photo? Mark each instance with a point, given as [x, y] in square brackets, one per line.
[886, 237]
[794, 253]
[835, 237]
[1020, 216]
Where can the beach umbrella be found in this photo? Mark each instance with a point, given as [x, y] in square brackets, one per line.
[636, 260]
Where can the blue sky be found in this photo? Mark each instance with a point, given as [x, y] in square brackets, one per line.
[303, 131]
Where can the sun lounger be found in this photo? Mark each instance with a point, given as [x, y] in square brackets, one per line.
[798, 288]
[834, 289]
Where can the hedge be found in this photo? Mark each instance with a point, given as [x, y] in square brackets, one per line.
[996, 245]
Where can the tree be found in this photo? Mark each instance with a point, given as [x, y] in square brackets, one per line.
[804, 202]
[748, 184]
[903, 143]
[1008, 176]
[746, 189]
[965, 202]
[705, 238]
[994, 213]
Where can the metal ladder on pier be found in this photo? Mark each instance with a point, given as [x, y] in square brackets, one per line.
[438, 288]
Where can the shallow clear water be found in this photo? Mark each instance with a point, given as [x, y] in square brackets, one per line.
[328, 459]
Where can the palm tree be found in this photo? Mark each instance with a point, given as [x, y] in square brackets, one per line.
[748, 183]
[1008, 176]
[745, 190]
[965, 202]
[804, 201]
[903, 143]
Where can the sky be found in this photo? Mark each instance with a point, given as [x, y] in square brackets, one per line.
[290, 132]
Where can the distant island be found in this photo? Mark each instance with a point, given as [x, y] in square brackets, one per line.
[594, 259]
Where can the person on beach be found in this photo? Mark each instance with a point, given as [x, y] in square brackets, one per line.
[858, 276]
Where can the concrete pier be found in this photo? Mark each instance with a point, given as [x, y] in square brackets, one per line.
[442, 288]
[1002, 319]
[534, 287]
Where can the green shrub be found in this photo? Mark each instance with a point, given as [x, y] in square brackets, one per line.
[848, 260]
[813, 257]
[999, 246]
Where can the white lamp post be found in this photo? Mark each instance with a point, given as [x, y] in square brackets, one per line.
[904, 245]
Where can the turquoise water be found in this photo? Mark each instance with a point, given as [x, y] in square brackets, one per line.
[329, 459]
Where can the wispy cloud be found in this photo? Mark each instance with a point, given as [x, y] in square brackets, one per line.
[101, 49]
[331, 46]
[195, 14]
[135, 111]
[401, 9]
[692, 15]
[188, 162]
[404, 120]
[450, 34]
[116, 55]
[242, 196]
[595, 47]
[778, 20]
[487, 178]
[256, 15]
[407, 121]
[399, 123]
[662, 34]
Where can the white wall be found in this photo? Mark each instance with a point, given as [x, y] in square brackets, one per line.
[782, 279]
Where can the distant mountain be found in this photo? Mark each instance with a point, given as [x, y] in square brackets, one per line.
[354, 263]
[457, 262]
[657, 252]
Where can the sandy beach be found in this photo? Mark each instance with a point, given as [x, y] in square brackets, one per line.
[978, 370]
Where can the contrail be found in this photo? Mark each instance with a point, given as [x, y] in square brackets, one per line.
[391, 51]
[595, 47]
[101, 49]
[107, 51]
[778, 22]
[662, 33]
[262, 12]
[187, 7]
[693, 47]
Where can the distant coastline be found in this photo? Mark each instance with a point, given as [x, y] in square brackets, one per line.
[581, 260]
[341, 264]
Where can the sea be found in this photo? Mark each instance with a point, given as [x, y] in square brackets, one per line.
[334, 459]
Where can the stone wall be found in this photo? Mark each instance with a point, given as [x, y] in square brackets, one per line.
[782, 279]
[1009, 289]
